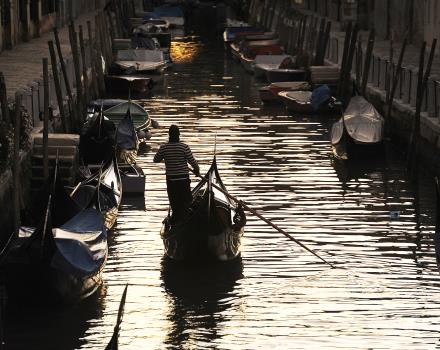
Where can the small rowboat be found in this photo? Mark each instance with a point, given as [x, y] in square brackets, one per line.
[270, 92]
[213, 227]
[359, 132]
[301, 102]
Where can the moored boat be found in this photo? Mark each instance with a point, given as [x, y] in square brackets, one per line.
[270, 92]
[301, 102]
[134, 61]
[212, 228]
[107, 198]
[263, 63]
[359, 132]
[116, 109]
[133, 179]
[122, 83]
[62, 257]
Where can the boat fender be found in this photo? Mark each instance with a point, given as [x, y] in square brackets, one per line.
[239, 217]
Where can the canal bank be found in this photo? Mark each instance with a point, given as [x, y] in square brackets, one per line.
[291, 20]
[74, 55]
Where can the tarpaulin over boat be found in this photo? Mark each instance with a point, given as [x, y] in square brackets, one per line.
[138, 113]
[140, 55]
[126, 137]
[81, 243]
[320, 96]
[363, 122]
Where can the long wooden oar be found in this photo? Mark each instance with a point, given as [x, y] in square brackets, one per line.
[267, 221]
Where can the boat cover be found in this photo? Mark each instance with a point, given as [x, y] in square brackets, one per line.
[363, 122]
[138, 113]
[140, 55]
[126, 137]
[320, 96]
[290, 86]
[299, 96]
[82, 244]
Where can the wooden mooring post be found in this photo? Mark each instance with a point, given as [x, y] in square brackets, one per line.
[367, 62]
[345, 84]
[84, 65]
[422, 82]
[4, 100]
[16, 165]
[347, 38]
[92, 60]
[76, 63]
[46, 119]
[64, 120]
[396, 75]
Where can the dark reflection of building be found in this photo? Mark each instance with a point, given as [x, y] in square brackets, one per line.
[51, 327]
[197, 296]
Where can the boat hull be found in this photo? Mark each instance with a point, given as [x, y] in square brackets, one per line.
[197, 243]
[29, 281]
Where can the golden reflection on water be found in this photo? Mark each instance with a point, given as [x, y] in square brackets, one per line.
[184, 49]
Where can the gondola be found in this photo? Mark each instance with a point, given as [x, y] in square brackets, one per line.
[61, 257]
[109, 195]
[97, 139]
[212, 228]
[359, 132]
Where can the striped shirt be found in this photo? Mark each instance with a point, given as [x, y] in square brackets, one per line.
[177, 155]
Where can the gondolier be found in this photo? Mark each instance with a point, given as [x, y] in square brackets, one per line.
[177, 155]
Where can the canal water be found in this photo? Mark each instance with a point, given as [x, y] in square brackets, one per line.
[368, 219]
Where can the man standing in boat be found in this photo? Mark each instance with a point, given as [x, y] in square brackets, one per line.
[177, 155]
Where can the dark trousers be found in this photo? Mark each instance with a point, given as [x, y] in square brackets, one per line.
[179, 195]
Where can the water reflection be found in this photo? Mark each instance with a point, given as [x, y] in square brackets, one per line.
[52, 327]
[199, 297]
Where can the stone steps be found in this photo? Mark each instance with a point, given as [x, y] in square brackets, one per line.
[66, 146]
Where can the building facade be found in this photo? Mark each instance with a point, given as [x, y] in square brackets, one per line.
[22, 20]
[420, 19]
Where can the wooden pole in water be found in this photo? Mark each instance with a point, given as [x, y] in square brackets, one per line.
[319, 41]
[358, 65]
[64, 72]
[4, 100]
[344, 57]
[395, 81]
[99, 52]
[367, 62]
[389, 76]
[109, 23]
[16, 166]
[76, 63]
[421, 88]
[46, 119]
[84, 65]
[349, 63]
[63, 63]
[92, 60]
[66, 123]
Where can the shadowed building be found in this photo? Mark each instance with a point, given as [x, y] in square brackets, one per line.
[22, 20]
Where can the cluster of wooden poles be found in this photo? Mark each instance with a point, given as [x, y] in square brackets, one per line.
[99, 48]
